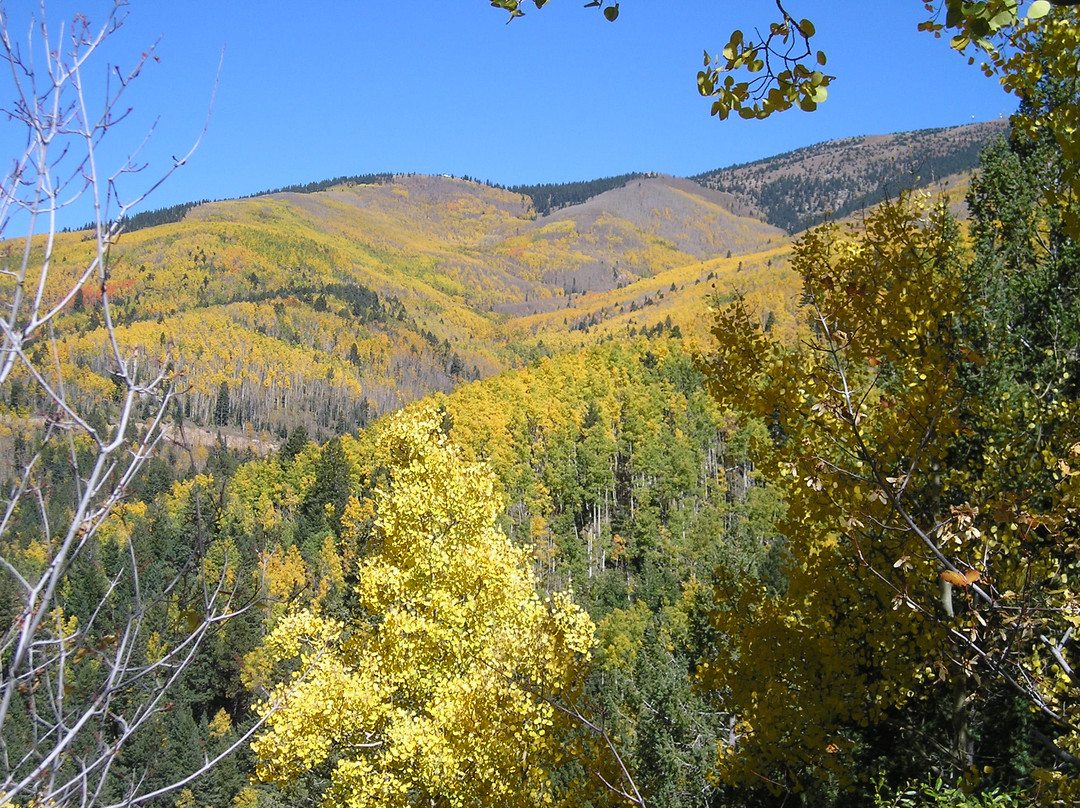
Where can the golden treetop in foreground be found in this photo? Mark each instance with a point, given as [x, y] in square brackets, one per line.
[439, 685]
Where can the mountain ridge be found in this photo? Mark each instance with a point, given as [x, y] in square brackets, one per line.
[787, 190]
[331, 307]
[548, 198]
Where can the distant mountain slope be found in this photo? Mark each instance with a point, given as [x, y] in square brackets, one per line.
[328, 308]
[325, 305]
[800, 188]
[696, 220]
[650, 226]
[549, 196]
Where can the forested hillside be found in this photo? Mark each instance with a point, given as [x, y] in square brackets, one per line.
[418, 283]
[637, 501]
[615, 472]
[327, 308]
[802, 188]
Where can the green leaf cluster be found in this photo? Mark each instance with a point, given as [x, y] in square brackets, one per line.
[800, 82]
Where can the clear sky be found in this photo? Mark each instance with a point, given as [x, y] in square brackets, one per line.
[311, 89]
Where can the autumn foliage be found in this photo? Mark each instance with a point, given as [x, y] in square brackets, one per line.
[931, 498]
[441, 681]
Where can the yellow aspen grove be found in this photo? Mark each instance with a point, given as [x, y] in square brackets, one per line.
[933, 530]
[437, 688]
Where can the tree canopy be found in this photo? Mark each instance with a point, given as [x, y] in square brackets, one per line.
[924, 434]
[439, 683]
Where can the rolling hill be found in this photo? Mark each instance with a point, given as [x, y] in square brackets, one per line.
[330, 304]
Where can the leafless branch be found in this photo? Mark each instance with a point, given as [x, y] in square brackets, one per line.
[76, 689]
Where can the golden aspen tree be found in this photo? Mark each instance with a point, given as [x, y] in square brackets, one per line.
[933, 531]
[438, 687]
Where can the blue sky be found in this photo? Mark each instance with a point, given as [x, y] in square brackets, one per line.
[315, 89]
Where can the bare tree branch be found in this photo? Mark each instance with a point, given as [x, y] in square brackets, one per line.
[80, 684]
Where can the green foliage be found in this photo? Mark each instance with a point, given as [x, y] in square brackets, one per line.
[800, 83]
[936, 794]
[329, 492]
[1027, 258]
[296, 442]
[1030, 55]
[221, 405]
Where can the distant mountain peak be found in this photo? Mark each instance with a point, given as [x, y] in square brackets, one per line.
[801, 188]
